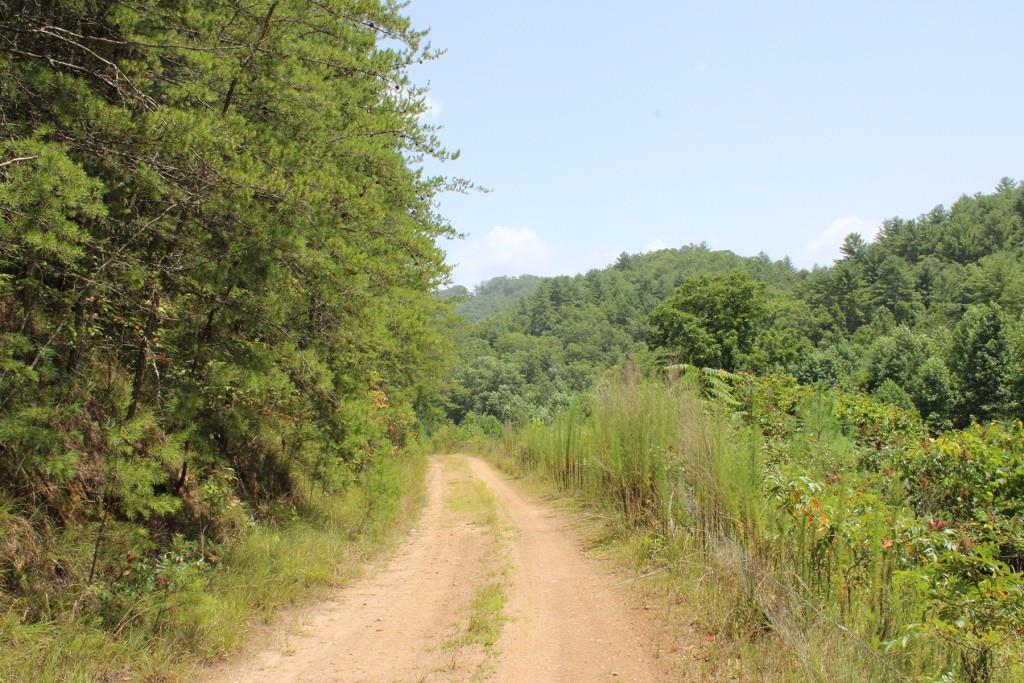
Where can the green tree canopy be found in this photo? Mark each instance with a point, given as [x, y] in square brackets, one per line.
[710, 321]
[217, 254]
[979, 362]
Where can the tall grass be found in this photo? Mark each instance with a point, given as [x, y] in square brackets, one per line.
[784, 552]
[200, 615]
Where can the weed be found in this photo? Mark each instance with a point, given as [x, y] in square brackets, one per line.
[202, 613]
[784, 525]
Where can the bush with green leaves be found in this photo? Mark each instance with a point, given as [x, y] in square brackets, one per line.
[907, 547]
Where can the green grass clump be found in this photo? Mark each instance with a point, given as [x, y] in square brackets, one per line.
[816, 535]
[487, 615]
[204, 612]
[470, 496]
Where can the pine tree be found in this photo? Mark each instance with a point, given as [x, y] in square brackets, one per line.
[218, 254]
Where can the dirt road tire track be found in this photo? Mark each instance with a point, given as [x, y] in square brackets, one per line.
[566, 622]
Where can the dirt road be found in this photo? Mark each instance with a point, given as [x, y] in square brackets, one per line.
[490, 586]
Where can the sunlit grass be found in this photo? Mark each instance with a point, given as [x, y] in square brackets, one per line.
[266, 568]
[470, 498]
[680, 490]
[467, 495]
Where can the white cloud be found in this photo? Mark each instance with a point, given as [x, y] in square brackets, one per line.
[824, 248]
[500, 251]
[434, 108]
[656, 245]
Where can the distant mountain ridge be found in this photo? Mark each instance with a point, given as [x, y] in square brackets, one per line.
[878, 319]
[491, 295]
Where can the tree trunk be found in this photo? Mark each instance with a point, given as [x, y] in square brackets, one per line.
[143, 354]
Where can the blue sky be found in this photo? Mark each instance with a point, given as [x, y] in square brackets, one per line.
[605, 127]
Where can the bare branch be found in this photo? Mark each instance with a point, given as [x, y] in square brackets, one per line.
[16, 160]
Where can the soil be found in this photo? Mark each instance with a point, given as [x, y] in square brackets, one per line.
[565, 618]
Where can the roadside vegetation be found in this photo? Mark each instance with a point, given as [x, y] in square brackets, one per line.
[815, 534]
[172, 612]
[217, 329]
[826, 466]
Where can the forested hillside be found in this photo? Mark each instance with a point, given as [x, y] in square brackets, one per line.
[828, 465]
[490, 296]
[926, 315]
[530, 355]
[217, 259]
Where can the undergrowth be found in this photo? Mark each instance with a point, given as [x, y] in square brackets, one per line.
[197, 610]
[809, 535]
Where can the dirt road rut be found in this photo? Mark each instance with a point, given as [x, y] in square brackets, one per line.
[490, 586]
